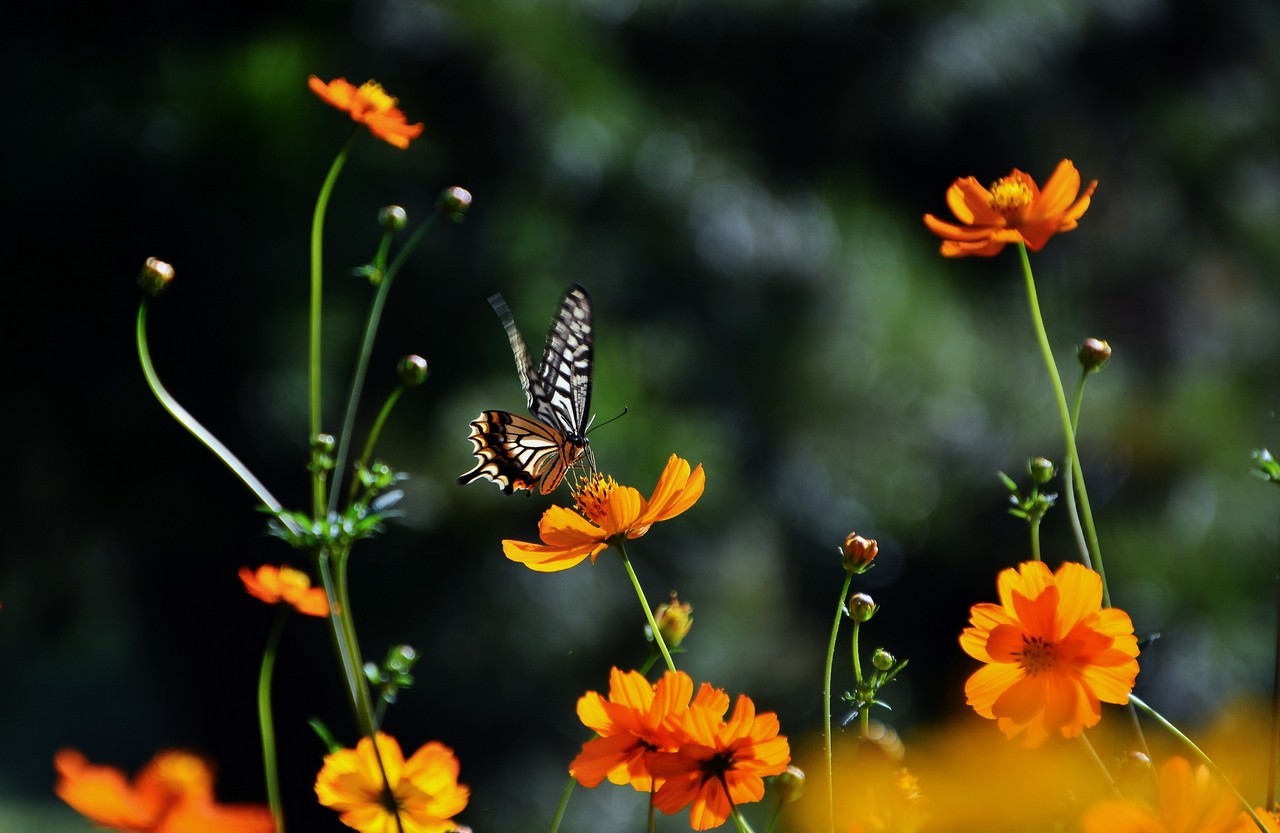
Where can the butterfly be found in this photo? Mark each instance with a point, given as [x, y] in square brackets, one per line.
[517, 452]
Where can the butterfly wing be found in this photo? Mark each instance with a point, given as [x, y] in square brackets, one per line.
[518, 453]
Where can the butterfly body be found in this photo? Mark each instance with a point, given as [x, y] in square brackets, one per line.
[524, 453]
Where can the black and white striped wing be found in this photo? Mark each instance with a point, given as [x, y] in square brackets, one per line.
[519, 453]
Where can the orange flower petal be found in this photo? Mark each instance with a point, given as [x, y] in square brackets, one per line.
[545, 559]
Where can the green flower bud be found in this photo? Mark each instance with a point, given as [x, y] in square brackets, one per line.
[1041, 470]
[323, 443]
[392, 217]
[882, 659]
[454, 202]
[790, 784]
[861, 607]
[858, 553]
[412, 370]
[155, 276]
[1093, 354]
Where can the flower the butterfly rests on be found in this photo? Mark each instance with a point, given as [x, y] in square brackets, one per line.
[517, 452]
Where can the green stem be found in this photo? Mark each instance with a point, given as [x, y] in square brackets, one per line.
[1097, 759]
[738, 820]
[1201, 756]
[186, 420]
[1035, 539]
[316, 310]
[266, 723]
[644, 603]
[362, 362]
[563, 805]
[1273, 762]
[1073, 455]
[826, 701]
[1072, 512]
[374, 433]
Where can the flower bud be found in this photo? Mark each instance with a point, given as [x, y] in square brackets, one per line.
[412, 370]
[392, 218]
[155, 276]
[674, 620]
[454, 202]
[858, 553]
[323, 443]
[1093, 354]
[882, 659]
[1041, 470]
[861, 607]
[790, 784]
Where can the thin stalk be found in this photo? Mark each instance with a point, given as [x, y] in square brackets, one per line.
[1035, 539]
[187, 421]
[1073, 455]
[366, 350]
[1072, 513]
[826, 701]
[644, 603]
[1097, 759]
[374, 433]
[563, 805]
[316, 310]
[738, 820]
[1202, 757]
[266, 724]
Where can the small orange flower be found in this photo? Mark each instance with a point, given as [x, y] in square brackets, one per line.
[1014, 210]
[1052, 652]
[720, 764]
[274, 585]
[638, 720]
[606, 512]
[424, 790]
[1189, 801]
[172, 794]
[369, 105]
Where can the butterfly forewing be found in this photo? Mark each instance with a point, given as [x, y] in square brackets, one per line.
[520, 453]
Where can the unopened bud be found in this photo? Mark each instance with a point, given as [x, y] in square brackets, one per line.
[862, 607]
[412, 370]
[674, 620]
[790, 784]
[454, 202]
[155, 276]
[1093, 354]
[1041, 470]
[882, 659]
[858, 553]
[323, 443]
[392, 217]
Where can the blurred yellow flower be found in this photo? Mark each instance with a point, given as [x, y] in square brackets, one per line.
[1052, 652]
[423, 791]
[1188, 800]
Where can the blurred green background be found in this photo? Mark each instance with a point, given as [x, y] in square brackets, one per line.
[740, 186]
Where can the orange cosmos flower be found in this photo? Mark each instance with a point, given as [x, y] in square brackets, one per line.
[1052, 652]
[720, 764]
[274, 585]
[369, 105]
[606, 512]
[172, 794]
[1189, 801]
[424, 790]
[638, 720]
[1014, 210]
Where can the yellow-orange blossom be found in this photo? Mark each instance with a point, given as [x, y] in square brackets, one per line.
[1052, 652]
[607, 511]
[1013, 210]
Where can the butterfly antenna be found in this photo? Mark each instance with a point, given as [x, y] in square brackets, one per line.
[590, 428]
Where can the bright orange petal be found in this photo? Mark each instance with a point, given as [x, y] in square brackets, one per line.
[545, 559]
[621, 508]
[985, 686]
[102, 794]
[678, 489]
[1058, 192]
[1079, 596]
[711, 807]
[561, 527]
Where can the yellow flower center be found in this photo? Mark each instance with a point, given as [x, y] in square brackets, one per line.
[1037, 655]
[1011, 194]
[375, 97]
[591, 496]
[183, 774]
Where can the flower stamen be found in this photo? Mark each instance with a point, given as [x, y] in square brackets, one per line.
[591, 497]
[1010, 194]
[1037, 655]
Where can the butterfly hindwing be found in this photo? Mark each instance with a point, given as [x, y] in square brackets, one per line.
[521, 453]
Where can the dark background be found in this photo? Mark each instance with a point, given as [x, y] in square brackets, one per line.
[739, 185]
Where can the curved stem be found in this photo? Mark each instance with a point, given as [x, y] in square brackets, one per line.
[1072, 513]
[374, 433]
[738, 820]
[826, 701]
[187, 421]
[1073, 455]
[644, 603]
[266, 724]
[362, 362]
[316, 310]
[1201, 756]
